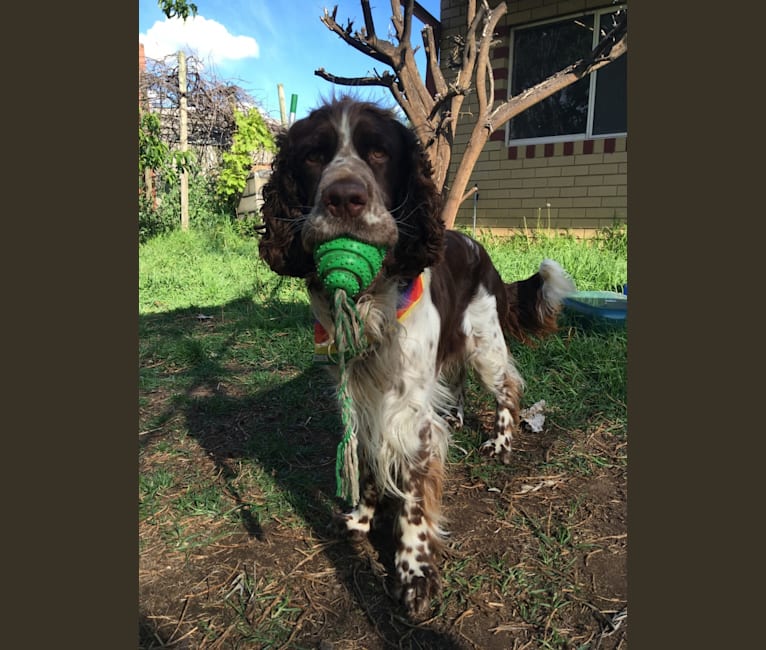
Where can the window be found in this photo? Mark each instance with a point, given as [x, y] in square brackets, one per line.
[595, 106]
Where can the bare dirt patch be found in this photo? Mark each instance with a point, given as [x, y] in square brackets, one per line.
[537, 556]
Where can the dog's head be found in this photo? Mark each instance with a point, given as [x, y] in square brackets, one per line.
[351, 169]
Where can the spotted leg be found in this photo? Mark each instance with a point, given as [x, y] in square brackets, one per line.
[419, 538]
[498, 373]
[506, 421]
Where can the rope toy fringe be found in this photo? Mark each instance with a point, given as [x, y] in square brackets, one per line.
[349, 342]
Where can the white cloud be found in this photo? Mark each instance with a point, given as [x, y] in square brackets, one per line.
[208, 39]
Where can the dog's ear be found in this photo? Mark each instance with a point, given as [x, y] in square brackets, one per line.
[421, 228]
[283, 217]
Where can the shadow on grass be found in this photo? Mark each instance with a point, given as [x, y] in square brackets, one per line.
[287, 424]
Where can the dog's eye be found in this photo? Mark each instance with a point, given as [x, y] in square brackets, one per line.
[315, 157]
[377, 156]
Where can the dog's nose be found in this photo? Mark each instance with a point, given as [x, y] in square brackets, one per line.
[346, 198]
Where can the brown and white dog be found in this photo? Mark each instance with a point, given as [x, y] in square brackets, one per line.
[352, 169]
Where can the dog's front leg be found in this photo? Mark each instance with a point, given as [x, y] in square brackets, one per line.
[419, 537]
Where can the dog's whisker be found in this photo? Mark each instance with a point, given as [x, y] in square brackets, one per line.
[403, 219]
[300, 219]
[405, 228]
[403, 202]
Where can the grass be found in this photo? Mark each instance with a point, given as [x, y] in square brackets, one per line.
[237, 434]
[209, 268]
[595, 264]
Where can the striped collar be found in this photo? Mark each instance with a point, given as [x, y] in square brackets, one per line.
[409, 296]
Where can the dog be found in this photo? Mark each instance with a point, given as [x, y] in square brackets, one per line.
[437, 308]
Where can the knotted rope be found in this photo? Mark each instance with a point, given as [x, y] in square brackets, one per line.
[349, 342]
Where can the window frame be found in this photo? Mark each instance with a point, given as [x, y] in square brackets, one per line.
[592, 77]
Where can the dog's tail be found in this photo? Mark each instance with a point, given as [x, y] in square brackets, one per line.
[534, 304]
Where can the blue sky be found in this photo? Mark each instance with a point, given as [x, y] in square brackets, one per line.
[258, 44]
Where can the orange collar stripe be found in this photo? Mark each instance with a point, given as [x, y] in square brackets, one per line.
[409, 298]
[324, 348]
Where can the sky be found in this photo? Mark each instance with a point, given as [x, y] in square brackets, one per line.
[258, 44]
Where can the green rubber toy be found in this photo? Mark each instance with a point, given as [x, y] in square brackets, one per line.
[348, 264]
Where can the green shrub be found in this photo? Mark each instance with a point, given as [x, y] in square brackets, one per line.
[251, 135]
[204, 207]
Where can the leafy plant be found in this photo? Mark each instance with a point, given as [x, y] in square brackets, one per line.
[162, 216]
[179, 8]
[251, 135]
[153, 152]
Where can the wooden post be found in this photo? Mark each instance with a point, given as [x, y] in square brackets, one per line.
[184, 139]
[282, 110]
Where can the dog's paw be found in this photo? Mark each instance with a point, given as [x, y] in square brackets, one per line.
[347, 526]
[455, 418]
[497, 448]
[416, 591]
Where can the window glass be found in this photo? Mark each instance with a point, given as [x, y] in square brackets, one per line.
[542, 50]
[610, 111]
[538, 52]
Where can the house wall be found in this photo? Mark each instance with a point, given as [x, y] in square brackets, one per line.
[578, 186]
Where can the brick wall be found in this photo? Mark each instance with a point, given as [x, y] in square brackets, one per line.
[580, 185]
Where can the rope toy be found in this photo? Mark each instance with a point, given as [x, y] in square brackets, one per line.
[346, 267]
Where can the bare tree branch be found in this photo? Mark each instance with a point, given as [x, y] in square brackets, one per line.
[465, 73]
[379, 50]
[385, 80]
[404, 40]
[429, 46]
[396, 19]
[211, 102]
[484, 68]
[470, 49]
[369, 25]
[469, 193]
[471, 11]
